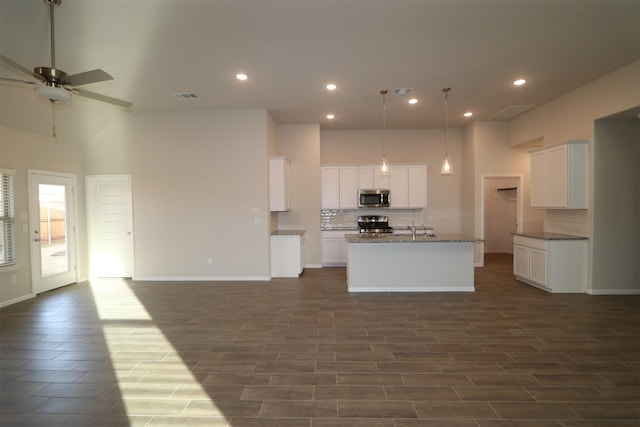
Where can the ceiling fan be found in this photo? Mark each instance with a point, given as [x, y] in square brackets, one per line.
[54, 84]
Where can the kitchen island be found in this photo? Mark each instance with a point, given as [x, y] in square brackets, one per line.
[398, 263]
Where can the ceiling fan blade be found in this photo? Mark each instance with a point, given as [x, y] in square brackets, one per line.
[88, 77]
[103, 98]
[19, 67]
[6, 79]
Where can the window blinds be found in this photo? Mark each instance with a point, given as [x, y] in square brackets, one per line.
[7, 219]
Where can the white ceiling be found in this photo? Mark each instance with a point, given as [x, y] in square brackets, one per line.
[291, 48]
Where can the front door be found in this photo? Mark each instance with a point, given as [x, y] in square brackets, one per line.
[52, 229]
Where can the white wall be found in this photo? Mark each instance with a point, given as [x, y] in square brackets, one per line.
[407, 146]
[300, 144]
[571, 116]
[487, 148]
[200, 190]
[20, 151]
[616, 207]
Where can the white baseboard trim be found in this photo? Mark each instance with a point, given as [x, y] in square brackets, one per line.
[613, 291]
[202, 278]
[416, 289]
[313, 266]
[16, 300]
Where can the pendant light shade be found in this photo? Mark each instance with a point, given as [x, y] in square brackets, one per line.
[446, 168]
[384, 163]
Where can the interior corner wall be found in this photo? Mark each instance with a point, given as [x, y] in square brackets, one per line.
[468, 179]
[616, 207]
[21, 151]
[200, 191]
[571, 116]
[487, 149]
[300, 144]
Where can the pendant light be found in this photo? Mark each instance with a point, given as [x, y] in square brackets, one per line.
[446, 168]
[384, 164]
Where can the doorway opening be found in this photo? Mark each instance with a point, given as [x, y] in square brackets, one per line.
[501, 213]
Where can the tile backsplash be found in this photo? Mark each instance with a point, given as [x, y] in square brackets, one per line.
[571, 221]
[332, 219]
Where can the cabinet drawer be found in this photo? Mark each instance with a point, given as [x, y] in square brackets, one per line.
[530, 242]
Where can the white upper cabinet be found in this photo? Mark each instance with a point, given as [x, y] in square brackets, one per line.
[349, 187]
[279, 184]
[399, 186]
[538, 179]
[407, 183]
[418, 186]
[559, 176]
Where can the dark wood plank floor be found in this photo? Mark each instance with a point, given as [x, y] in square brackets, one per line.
[304, 352]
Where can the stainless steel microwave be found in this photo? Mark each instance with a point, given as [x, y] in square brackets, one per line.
[373, 198]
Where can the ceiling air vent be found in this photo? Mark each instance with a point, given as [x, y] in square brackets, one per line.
[401, 91]
[186, 95]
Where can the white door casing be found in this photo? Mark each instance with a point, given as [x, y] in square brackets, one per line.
[110, 225]
[52, 229]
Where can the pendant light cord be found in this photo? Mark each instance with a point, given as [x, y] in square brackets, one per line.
[53, 120]
[446, 120]
[384, 125]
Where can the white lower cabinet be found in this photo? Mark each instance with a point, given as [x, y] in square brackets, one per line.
[552, 265]
[287, 255]
[334, 248]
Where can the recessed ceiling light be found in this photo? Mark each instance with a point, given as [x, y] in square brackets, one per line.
[331, 116]
[331, 86]
[519, 82]
[468, 114]
[413, 101]
[242, 76]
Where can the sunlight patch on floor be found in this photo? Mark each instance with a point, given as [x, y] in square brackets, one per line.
[148, 368]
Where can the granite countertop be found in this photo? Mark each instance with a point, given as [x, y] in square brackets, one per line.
[548, 236]
[407, 238]
[288, 232]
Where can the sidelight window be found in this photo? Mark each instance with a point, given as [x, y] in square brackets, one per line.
[7, 219]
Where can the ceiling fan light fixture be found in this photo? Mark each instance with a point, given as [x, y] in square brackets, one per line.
[52, 93]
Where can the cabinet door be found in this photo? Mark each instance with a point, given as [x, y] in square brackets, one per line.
[285, 256]
[538, 266]
[538, 180]
[330, 187]
[365, 177]
[557, 177]
[348, 187]
[418, 186]
[399, 186]
[521, 261]
[380, 181]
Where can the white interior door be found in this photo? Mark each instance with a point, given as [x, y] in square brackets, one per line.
[110, 225]
[52, 229]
